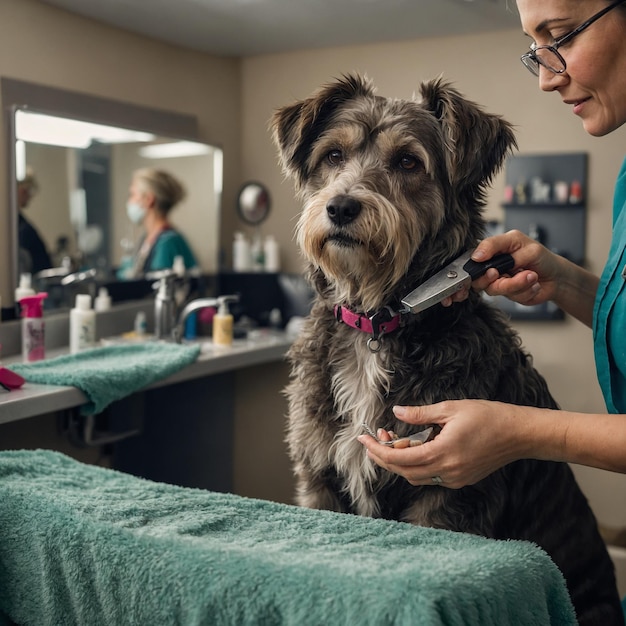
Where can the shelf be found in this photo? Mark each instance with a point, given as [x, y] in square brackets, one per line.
[543, 205]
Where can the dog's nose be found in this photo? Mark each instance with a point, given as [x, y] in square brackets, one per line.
[343, 209]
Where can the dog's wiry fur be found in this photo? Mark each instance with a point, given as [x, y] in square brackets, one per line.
[392, 191]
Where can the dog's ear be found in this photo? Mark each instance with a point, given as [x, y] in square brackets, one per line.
[296, 127]
[475, 142]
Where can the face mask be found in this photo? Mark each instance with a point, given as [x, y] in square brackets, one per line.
[135, 212]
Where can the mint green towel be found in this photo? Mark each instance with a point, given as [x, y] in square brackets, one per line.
[112, 372]
[86, 545]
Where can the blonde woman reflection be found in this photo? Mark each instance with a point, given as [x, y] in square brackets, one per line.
[152, 195]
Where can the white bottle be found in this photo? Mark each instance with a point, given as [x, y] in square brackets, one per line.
[24, 290]
[223, 325]
[103, 300]
[82, 324]
[178, 266]
[272, 254]
[241, 253]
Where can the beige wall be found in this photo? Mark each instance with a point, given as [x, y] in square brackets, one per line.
[45, 45]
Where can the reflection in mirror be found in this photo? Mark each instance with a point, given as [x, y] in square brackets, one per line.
[253, 203]
[73, 182]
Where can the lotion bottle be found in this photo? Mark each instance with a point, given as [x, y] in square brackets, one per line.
[82, 324]
[103, 300]
[33, 328]
[272, 254]
[241, 253]
[223, 323]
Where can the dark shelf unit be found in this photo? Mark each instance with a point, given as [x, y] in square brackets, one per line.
[560, 226]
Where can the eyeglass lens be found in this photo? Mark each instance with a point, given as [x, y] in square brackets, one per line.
[546, 56]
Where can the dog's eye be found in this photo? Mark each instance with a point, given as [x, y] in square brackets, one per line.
[335, 157]
[408, 162]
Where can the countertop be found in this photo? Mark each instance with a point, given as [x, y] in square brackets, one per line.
[262, 346]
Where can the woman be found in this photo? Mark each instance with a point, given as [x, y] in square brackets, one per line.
[579, 52]
[152, 195]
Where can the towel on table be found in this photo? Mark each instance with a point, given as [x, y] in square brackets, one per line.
[87, 545]
[112, 372]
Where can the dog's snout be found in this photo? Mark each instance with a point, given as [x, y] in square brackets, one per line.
[343, 209]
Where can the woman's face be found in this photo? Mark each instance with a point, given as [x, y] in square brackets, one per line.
[135, 194]
[594, 82]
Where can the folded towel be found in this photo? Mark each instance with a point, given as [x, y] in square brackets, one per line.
[112, 372]
[87, 545]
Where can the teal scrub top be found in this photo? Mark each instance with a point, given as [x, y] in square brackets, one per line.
[609, 315]
[169, 245]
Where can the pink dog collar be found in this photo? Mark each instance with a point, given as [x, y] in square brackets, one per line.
[382, 322]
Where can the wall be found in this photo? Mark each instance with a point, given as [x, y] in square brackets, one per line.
[42, 44]
[485, 68]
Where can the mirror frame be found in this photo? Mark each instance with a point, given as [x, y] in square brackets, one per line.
[18, 94]
[253, 214]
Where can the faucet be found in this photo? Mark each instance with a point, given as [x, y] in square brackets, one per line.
[79, 277]
[164, 304]
[56, 272]
[196, 305]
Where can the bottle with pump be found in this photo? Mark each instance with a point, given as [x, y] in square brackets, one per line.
[223, 322]
[25, 289]
[33, 327]
[82, 324]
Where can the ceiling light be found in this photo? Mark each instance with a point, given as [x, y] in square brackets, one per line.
[174, 149]
[60, 131]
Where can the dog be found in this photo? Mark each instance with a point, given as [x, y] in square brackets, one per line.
[392, 191]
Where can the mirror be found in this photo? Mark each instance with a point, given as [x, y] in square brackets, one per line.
[73, 181]
[253, 203]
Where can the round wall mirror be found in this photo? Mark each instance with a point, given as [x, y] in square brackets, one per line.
[253, 203]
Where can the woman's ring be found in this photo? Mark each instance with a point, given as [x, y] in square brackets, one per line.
[437, 480]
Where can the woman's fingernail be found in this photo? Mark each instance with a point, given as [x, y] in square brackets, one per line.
[399, 411]
[478, 255]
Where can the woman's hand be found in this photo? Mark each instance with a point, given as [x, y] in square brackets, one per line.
[534, 278]
[477, 438]
[539, 275]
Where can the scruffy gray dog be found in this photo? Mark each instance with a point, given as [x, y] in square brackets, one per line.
[393, 190]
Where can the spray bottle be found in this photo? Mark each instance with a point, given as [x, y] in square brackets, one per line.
[24, 289]
[223, 322]
[33, 328]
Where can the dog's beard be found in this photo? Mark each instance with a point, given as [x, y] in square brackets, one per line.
[364, 259]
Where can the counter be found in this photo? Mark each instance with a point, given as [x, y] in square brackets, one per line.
[263, 346]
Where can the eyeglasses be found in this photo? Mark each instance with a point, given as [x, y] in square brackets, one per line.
[548, 55]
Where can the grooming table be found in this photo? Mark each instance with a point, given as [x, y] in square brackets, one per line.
[84, 545]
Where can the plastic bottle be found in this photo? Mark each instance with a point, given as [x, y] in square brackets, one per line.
[178, 266]
[82, 324]
[272, 254]
[140, 324]
[24, 289]
[241, 253]
[256, 252]
[103, 300]
[33, 327]
[223, 323]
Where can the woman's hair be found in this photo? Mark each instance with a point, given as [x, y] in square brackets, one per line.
[167, 190]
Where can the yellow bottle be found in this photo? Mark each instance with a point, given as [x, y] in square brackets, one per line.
[223, 324]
